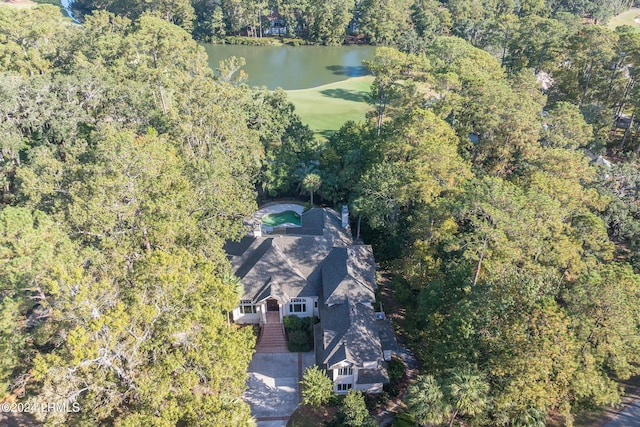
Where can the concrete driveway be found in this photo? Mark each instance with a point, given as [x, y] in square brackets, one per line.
[629, 417]
[273, 392]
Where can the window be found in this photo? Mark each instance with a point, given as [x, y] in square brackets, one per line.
[345, 371]
[246, 307]
[344, 387]
[297, 305]
[315, 304]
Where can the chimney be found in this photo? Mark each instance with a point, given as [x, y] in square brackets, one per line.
[345, 216]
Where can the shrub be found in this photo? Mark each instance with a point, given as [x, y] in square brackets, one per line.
[403, 293]
[395, 368]
[293, 323]
[375, 400]
[298, 341]
[404, 420]
[299, 332]
[392, 389]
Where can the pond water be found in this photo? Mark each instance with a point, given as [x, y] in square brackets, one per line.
[292, 67]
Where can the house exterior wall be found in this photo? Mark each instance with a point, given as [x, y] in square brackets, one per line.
[307, 303]
[241, 318]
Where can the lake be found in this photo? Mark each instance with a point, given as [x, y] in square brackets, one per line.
[297, 67]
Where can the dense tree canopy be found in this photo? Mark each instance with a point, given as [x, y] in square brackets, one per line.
[125, 163]
[409, 23]
[477, 186]
[124, 168]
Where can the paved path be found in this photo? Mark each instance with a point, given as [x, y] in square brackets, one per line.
[628, 417]
[386, 417]
[273, 390]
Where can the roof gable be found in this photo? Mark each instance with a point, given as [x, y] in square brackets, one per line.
[349, 273]
[350, 334]
[269, 266]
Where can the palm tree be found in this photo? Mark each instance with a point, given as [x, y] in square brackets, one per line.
[426, 401]
[467, 391]
[311, 183]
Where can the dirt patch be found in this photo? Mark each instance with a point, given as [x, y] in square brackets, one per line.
[307, 416]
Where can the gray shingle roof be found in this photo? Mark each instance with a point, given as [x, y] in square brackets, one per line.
[290, 264]
[322, 222]
[387, 335]
[349, 333]
[238, 248]
[349, 273]
[372, 376]
[268, 265]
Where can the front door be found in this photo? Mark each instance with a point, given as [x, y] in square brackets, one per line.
[272, 305]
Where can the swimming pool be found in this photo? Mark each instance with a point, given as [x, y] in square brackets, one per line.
[286, 217]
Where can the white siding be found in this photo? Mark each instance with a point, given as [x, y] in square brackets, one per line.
[306, 303]
[245, 318]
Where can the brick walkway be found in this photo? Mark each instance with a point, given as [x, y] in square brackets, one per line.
[272, 339]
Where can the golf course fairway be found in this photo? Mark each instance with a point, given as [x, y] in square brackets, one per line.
[326, 108]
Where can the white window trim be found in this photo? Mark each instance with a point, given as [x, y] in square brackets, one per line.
[348, 369]
[247, 304]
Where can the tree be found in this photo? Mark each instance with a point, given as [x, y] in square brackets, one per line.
[387, 66]
[133, 167]
[467, 392]
[602, 303]
[354, 411]
[384, 22]
[327, 20]
[426, 401]
[35, 254]
[311, 183]
[317, 387]
[566, 127]
[432, 401]
[178, 12]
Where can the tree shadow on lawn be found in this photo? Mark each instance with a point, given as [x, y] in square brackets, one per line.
[348, 95]
[326, 133]
[349, 70]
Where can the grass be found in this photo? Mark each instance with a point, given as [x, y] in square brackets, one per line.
[326, 108]
[29, 3]
[625, 18]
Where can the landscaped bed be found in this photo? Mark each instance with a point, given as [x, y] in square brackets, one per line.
[299, 331]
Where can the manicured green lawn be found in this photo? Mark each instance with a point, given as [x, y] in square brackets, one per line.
[626, 18]
[326, 108]
[29, 3]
